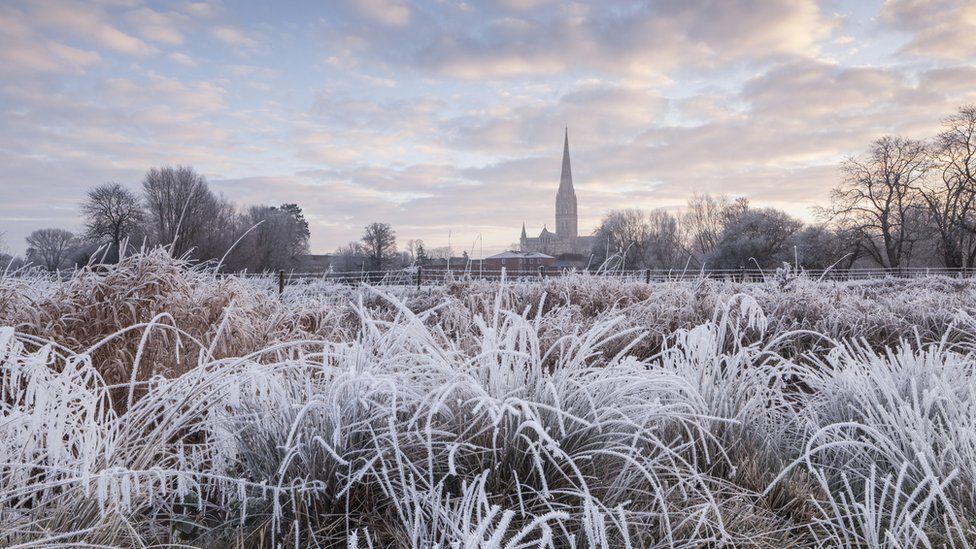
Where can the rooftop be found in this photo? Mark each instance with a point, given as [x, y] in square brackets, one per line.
[514, 254]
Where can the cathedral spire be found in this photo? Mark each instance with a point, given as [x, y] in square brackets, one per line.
[524, 236]
[566, 220]
[566, 178]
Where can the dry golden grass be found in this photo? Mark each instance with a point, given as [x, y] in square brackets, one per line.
[698, 413]
[148, 315]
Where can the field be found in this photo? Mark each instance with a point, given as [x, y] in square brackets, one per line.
[149, 403]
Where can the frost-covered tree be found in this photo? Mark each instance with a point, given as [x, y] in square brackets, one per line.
[705, 217]
[379, 246]
[179, 207]
[763, 236]
[878, 200]
[420, 252]
[274, 239]
[622, 239]
[666, 250]
[821, 246]
[112, 215]
[350, 257]
[951, 195]
[298, 234]
[50, 248]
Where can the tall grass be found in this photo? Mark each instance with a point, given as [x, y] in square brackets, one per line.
[150, 403]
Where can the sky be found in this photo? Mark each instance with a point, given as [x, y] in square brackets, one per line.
[446, 119]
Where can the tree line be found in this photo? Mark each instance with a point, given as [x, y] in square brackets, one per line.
[176, 209]
[904, 203]
[714, 232]
[377, 250]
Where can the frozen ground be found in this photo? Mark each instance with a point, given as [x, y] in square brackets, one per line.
[152, 404]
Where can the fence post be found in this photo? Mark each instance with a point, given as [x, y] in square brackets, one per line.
[742, 275]
[420, 275]
[281, 281]
[647, 276]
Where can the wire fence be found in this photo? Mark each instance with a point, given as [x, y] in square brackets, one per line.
[433, 277]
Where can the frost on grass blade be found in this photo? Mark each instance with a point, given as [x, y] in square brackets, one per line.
[150, 403]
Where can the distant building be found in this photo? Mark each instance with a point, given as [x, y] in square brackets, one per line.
[455, 263]
[573, 261]
[566, 239]
[313, 263]
[518, 261]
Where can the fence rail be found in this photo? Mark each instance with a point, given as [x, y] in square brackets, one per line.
[437, 276]
[427, 277]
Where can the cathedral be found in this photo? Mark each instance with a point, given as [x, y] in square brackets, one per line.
[566, 239]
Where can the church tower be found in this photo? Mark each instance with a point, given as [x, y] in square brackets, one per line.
[566, 218]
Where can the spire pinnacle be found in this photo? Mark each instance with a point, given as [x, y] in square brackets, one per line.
[566, 178]
[524, 235]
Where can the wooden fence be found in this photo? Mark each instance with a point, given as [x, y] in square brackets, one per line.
[420, 277]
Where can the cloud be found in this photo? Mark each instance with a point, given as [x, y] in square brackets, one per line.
[805, 89]
[630, 39]
[122, 42]
[526, 4]
[754, 28]
[939, 28]
[342, 59]
[206, 9]
[156, 26]
[74, 57]
[46, 56]
[393, 13]
[23, 50]
[233, 36]
[596, 112]
[85, 22]
[250, 71]
[183, 59]
[158, 90]
[447, 118]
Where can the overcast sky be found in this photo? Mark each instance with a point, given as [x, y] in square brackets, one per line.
[446, 118]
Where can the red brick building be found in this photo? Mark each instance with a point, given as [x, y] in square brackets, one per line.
[514, 261]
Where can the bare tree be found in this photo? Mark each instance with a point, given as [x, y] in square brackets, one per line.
[350, 257]
[379, 245]
[8, 262]
[879, 201]
[756, 236]
[704, 219]
[951, 199]
[296, 239]
[820, 246]
[633, 239]
[416, 252]
[274, 239]
[50, 247]
[218, 230]
[666, 249]
[112, 214]
[414, 249]
[622, 239]
[179, 205]
[442, 252]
